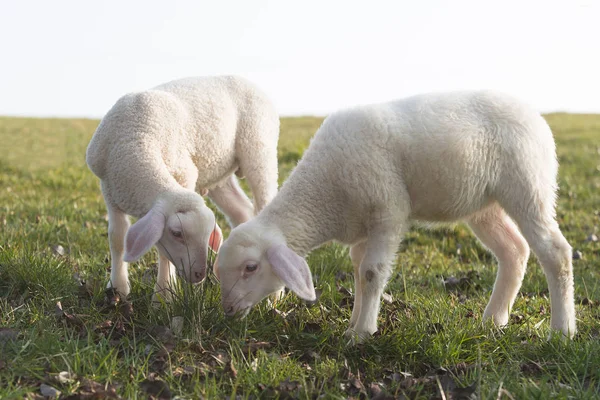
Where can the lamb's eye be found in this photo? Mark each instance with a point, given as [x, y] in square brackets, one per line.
[251, 267]
[177, 234]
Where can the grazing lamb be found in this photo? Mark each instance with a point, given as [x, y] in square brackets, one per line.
[480, 157]
[158, 151]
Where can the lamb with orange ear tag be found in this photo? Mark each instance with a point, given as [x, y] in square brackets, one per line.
[158, 151]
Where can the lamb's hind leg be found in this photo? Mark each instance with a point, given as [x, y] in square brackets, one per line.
[500, 235]
[555, 254]
[533, 211]
[258, 163]
[232, 201]
[118, 224]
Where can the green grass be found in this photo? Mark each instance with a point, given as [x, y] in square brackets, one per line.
[431, 337]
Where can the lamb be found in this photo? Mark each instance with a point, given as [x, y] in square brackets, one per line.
[480, 157]
[157, 152]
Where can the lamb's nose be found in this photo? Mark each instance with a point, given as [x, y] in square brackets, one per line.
[229, 311]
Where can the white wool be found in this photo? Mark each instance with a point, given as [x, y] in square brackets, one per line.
[370, 172]
[159, 149]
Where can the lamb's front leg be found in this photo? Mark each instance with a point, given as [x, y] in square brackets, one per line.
[374, 272]
[118, 223]
[357, 253]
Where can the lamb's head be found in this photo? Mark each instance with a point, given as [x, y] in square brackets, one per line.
[182, 227]
[254, 262]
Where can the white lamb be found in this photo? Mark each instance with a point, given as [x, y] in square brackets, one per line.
[480, 157]
[158, 151]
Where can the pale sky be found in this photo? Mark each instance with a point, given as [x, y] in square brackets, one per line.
[77, 57]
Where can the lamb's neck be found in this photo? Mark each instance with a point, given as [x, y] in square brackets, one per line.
[306, 212]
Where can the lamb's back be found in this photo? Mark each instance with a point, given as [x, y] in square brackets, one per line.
[446, 150]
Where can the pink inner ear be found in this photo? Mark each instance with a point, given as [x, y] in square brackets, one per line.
[143, 235]
[292, 270]
[216, 239]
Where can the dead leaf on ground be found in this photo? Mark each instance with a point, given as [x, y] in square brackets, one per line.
[377, 393]
[267, 391]
[70, 319]
[158, 363]
[48, 391]
[447, 386]
[531, 368]
[111, 297]
[516, 318]
[65, 377]
[355, 386]
[185, 372]
[253, 346]
[58, 250]
[588, 302]
[232, 369]
[218, 358]
[312, 327]
[156, 388]
[89, 389]
[289, 386]
[375, 389]
[8, 335]
[111, 330]
[393, 376]
[310, 356]
[161, 333]
[126, 309]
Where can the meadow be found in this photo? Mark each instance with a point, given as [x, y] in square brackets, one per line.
[61, 337]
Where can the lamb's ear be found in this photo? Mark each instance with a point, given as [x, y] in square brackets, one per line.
[143, 235]
[292, 270]
[216, 239]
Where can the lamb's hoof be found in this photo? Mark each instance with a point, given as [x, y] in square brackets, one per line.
[499, 319]
[563, 332]
[121, 290]
[355, 337]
